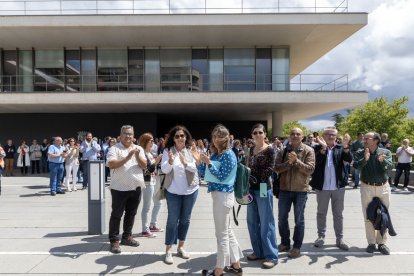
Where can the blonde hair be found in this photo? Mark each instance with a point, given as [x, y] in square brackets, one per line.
[222, 139]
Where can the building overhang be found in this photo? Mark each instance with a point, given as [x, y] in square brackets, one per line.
[309, 36]
[211, 105]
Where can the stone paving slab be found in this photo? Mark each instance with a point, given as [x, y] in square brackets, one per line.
[44, 235]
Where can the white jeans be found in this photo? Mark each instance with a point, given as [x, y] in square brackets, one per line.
[368, 192]
[71, 167]
[147, 198]
[228, 249]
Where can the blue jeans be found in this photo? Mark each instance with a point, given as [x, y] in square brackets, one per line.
[356, 177]
[261, 225]
[56, 174]
[179, 215]
[85, 167]
[285, 202]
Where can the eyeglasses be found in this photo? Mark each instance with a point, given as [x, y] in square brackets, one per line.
[151, 140]
[178, 136]
[295, 134]
[71, 141]
[258, 133]
[128, 133]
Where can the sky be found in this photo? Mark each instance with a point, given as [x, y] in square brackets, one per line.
[378, 58]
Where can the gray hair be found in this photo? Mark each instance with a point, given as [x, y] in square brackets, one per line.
[126, 127]
[330, 128]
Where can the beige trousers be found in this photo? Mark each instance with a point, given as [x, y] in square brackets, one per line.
[228, 249]
[368, 192]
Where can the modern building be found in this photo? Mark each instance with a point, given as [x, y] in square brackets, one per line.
[67, 66]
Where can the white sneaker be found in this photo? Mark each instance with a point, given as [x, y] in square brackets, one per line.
[74, 187]
[405, 189]
[68, 189]
[182, 253]
[168, 258]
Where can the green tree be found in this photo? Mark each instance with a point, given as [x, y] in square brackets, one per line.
[381, 116]
[288, 126]
[338, 118]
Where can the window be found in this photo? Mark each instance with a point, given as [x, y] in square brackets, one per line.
[239, 70]
[49, 70]
[112, 70]
[175, 69]
[136, 70]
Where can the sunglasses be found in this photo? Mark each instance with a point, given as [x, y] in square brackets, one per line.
[177, 136]
[258, 133]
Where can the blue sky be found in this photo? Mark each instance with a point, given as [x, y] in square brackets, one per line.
[378, 59]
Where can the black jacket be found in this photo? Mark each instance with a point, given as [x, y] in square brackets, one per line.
[378, 214]
[339, 156]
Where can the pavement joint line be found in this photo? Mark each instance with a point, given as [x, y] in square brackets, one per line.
[191, 253]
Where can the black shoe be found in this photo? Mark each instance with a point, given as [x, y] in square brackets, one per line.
[129, 242]
[115, 248]
[384, 249]
[53, 194]
[231, 269]
[370, 248]
[60, 192]
[206, 272]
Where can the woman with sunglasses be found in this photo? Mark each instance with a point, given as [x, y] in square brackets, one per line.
[260, 218]
[72, 163]
[146, 141]
[181, 189]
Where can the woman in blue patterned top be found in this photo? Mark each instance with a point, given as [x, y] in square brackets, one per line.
[220, 174]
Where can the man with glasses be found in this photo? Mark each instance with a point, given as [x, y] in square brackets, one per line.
[90, 150]
[374, 163]
[329, 184]
[126, 161]
[294, 166]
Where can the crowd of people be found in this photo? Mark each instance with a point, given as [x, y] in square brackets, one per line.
[173, 167]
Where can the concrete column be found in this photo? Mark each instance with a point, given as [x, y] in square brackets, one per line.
[277, 123]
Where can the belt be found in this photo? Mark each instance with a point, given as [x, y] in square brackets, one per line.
[375, 184]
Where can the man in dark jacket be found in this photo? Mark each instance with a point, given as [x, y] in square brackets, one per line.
[329, 183]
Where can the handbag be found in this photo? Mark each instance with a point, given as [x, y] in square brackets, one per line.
[148, 170]
[160, 194]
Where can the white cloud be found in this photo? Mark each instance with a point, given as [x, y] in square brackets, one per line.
[317, 124]
[379, 58]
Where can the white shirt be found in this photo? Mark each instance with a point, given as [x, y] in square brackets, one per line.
[129, 176]
[403, 156]
[179, 184]
[329, 183]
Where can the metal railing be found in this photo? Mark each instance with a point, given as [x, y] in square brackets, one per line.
[174, 82]
[95, 7]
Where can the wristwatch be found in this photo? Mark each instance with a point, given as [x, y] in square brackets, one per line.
[210, 165]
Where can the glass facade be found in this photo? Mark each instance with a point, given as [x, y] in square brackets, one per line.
[149, 70]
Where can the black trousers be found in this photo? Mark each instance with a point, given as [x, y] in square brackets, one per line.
[127, 202]
[35, 165]
[402, 167]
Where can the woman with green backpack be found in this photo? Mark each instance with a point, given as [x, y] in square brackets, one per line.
[220, 173]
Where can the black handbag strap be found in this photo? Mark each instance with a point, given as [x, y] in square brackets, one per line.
[235, 215]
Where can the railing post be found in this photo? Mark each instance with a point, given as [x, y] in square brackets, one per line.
[300, 82]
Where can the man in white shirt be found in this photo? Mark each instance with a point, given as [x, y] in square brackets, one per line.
[126, 161]
[405, 157]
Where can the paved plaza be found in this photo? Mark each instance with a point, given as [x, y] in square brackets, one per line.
[44, 235]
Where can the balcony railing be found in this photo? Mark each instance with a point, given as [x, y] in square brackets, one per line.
[173, 83]
[95, 7]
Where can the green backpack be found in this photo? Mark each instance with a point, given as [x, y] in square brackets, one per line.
[241, 189]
